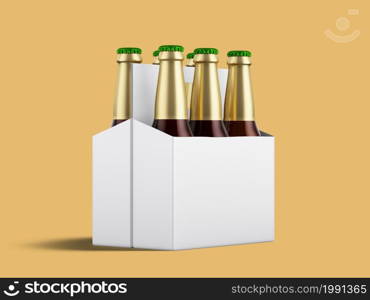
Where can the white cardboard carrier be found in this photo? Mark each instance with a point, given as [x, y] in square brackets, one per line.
[155, 191]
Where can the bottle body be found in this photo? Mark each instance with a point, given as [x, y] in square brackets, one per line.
[206, 106]
[239, 107]
[170, 105]
[212, 128]
[173, 127]
[242, 128]
[118, 121]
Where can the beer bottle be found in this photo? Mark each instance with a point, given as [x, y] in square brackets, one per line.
[239, 110]
[188, 85]
[155, 57]
[170, 103]
[206, 107]
[122, 105]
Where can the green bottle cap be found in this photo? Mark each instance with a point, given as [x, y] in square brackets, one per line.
[206, 51]
[156, 53]
[239, 53]
[190, 55]
[128, 50]
[171, 48]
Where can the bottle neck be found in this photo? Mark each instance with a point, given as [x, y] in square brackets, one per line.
[155, 60]
[122, 104]
[170, 100]
[190, 62]
[239, 99]
[206, 96]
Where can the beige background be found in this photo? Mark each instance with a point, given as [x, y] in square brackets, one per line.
[58, 72]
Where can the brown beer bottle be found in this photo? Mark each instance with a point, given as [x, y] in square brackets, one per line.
[155, 57]
[239, 109]
[122, 104]
[189, 85]
[170, 103]
[206, 106]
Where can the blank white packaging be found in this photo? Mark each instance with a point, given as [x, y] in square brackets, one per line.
[155, 191]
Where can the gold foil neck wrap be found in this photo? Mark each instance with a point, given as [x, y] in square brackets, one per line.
[132, 57]
[155, 60]
[122, 104]
[239, 60]
[238, 99]
[190, 62]
[188, 89]
[206, 58]
[171, 55]
[170, 100]
[206, 96]
[189, 85]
